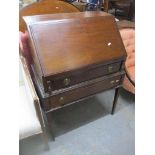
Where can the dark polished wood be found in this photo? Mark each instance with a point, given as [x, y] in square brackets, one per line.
[127, 6]
[75, 56]
[74, 44]
[66, 96]
[107, 4]
[115, 100]
[81, 76]
[44, 7]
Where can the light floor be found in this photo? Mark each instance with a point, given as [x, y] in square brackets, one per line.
[88, 128]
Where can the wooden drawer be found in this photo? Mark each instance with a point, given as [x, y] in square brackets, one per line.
[85, 75]
[82, 90]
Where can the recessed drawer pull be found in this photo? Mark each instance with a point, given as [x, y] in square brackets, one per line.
[110, 69]
[66, 81]
[61, 100]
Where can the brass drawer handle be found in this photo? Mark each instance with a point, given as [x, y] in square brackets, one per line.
[117, 81]
[66, 81]
[61, 100]
[112, 82]
[110, 69]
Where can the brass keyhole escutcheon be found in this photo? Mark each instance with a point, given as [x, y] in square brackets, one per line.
[61, 100]
[66, 81]
[110, 69]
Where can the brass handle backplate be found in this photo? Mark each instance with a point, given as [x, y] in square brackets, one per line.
[110, 69]
[66, 81]
[117, 81]
[114, 81]
[61, 100]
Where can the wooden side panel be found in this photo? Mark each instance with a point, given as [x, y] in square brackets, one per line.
[35, 63]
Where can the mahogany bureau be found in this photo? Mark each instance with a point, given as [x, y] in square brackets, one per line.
[75, 55]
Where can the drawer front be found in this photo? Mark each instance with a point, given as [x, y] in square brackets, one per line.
[81, 76]
[81, 92]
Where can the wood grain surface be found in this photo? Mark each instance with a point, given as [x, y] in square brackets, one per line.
[69, 44]
[44, 7]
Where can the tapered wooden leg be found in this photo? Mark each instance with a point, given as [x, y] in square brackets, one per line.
[115, 100]
[45, 139]
[49, 120]
[106, 5]
[48, 125]
[48, 116]
[115, 12]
